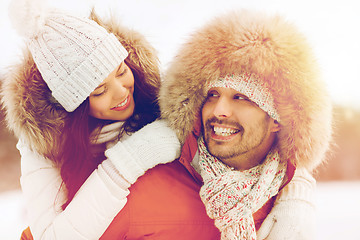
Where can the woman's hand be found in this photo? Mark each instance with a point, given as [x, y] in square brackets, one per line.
[154, 144]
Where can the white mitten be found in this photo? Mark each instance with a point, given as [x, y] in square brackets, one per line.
[154, 144]
[293, 214]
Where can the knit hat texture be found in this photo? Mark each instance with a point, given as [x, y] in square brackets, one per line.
[250, 86]
[73, 54]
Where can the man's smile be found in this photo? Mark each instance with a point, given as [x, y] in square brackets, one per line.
[223, 132]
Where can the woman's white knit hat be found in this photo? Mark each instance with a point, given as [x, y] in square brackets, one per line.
[73, 54]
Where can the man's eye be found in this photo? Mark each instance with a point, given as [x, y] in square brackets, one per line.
[239, 97]
[212, 94]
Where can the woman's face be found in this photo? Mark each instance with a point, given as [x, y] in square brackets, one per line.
[113, 98]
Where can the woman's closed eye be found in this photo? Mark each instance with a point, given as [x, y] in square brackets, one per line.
[122, 72]
[99, 92]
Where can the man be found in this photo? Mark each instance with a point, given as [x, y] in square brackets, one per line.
[245, 98]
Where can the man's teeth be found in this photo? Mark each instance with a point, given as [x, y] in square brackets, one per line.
[224, 131]
[123, 103]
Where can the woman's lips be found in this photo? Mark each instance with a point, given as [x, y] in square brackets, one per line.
[123, 105]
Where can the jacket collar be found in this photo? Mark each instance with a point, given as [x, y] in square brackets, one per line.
[189, 150]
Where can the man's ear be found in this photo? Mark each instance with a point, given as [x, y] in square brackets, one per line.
[274, 125]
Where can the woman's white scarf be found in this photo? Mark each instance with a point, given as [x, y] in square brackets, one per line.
[107, 133]
[231, 197]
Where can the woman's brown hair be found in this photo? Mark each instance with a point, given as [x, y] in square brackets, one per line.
[78, 157]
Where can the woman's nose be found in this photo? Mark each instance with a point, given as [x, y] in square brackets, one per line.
[119, 90]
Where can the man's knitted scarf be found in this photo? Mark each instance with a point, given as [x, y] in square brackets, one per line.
[231, 197]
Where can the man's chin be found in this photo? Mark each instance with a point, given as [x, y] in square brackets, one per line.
[218, 151]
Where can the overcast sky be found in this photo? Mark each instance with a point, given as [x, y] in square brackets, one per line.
[332, 27]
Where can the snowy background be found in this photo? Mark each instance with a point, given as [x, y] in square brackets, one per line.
[332, 27]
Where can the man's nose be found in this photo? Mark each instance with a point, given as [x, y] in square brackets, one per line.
[223, 108]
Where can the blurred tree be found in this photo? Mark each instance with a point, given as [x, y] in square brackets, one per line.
[343, 162]
[9, 158]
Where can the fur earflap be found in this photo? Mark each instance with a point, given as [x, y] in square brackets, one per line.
[269, 47]
[31, 111]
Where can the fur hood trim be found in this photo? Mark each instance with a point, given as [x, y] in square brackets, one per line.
[36, 117]
[269, 47]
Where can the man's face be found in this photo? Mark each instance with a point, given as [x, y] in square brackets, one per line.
[236, 130]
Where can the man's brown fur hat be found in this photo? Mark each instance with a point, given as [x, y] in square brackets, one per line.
[31, 111]
[269, 47]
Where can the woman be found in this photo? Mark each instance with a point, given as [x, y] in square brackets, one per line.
[82, 85]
